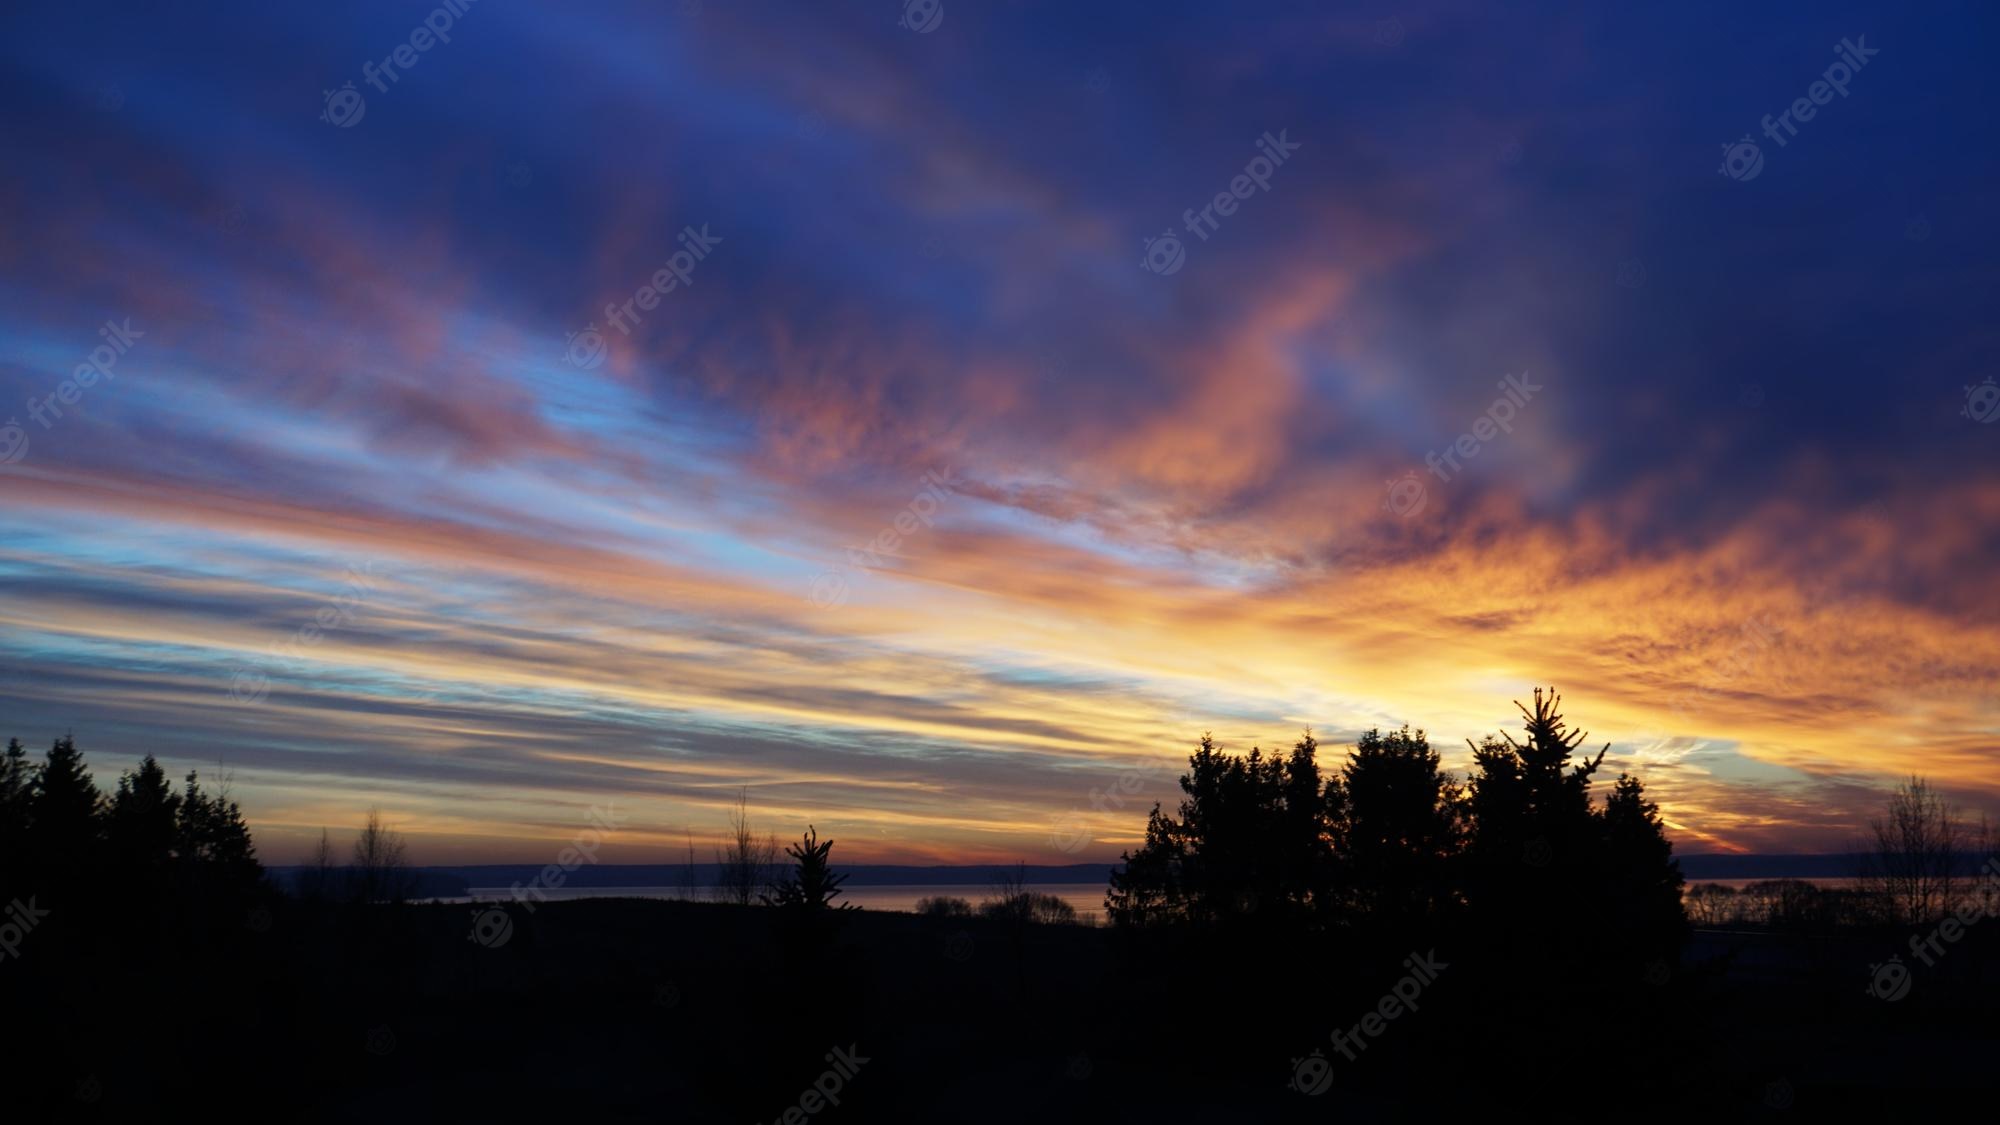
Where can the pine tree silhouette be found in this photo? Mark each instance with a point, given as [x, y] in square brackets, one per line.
[813, 885]
[64, 815]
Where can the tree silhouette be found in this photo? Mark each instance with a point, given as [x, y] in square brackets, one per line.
[216, 854]
[319, 878]
[381, 863]
[1534, 837]
[745, 866]
[1398, 829]
[15, 777]
[1393, 847]
[813, 885]
[1912, 859]
[16, 790]
[1638, 875]
[1249, 838]
[64, 818]
[1524, 793]
[142, 823]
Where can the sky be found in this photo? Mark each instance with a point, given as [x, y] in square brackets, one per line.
[927, 422]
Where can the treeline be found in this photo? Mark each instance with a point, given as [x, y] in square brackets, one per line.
[1365, 921]
[1923, 860]
[1390, 843]
[64, 841]
[1009, 900]
[1786, 904]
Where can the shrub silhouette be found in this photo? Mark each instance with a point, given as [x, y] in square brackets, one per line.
[1031, 907]
[943, 906]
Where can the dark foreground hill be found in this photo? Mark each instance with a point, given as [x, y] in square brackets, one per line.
[631, 1010]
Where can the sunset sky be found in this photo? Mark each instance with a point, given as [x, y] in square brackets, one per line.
[934, 496]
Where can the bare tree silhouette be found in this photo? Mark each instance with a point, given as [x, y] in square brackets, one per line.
[745, 865]
[381, 863]
[1911, 860]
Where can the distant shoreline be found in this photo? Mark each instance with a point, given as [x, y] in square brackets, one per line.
[1695, 868]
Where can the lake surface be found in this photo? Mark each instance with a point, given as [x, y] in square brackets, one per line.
[1086, 898]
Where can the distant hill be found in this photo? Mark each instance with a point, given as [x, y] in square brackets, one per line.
[446, 881]
[454, 880]
[1725, 866]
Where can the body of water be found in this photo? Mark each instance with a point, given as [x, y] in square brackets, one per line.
[1817, 881]
[1086, 898]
